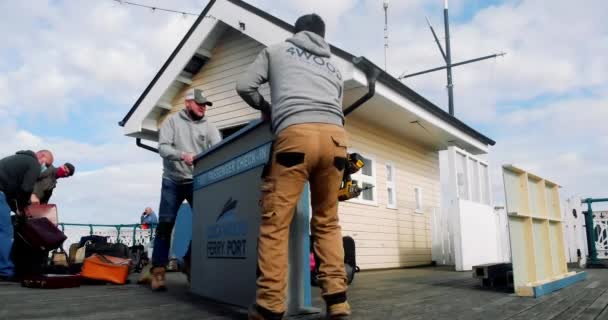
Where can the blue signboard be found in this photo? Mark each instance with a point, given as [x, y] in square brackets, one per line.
[251, 159]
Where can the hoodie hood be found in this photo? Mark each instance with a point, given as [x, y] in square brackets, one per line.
[311, 42]
[27, 153]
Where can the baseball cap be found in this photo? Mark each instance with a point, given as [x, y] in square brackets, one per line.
[197, 96]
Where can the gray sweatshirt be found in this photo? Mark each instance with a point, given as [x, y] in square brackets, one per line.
[305, 85]
[180, 133]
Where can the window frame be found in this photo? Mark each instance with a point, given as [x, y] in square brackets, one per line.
[392, 184]
[418, 200]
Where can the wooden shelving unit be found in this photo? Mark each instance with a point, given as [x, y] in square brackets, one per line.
[536, 232]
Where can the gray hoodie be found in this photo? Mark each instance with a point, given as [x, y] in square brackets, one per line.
[180, 133]
[305, 84]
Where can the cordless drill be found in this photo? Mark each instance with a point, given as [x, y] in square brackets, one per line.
[350, 189]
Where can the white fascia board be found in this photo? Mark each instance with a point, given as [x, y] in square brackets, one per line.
[134, 124]
[164, 105]
[150, 124]
[423, 114]
[204, 52]
[184, 79]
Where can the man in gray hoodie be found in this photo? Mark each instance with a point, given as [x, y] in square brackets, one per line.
[306, 116]
[182, 136]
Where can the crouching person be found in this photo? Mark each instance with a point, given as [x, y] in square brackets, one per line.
[47, 181]
[18, 174]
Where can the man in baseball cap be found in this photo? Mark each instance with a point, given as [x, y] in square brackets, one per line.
[196, 95]
[182, 136]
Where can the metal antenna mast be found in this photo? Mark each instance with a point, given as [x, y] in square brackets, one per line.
[447, 56]
[385, 34]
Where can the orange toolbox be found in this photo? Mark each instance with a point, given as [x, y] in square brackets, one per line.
[106, 268]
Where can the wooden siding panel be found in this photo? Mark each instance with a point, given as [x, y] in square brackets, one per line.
[389, 238]
[230, 59]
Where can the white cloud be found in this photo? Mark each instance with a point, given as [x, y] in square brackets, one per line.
[67, 51]
[127, 179]
[561, 141]
[74, 50]
[111, 195]
[331, 11]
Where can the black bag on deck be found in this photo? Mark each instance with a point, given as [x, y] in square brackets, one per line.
[350, 258]
[93, 239]
[138, 257]
[350, 261]
[28, 260]
[118, 250]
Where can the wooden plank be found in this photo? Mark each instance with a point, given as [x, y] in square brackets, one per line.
[247, 53]
[542, 259]
[520, 230]
[223, 65]
[595, 309]
[588, 297]
[556, 234]
[551, 306]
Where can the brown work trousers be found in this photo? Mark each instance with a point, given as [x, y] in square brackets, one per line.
[311, 152]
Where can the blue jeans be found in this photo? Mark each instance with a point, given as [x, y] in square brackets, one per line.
[171, 197]
[7, 268]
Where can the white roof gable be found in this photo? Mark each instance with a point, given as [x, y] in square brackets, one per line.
[394, 106]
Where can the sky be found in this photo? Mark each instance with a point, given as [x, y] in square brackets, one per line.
[70, 70]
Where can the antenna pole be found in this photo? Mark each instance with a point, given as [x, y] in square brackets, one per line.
[436, 39]
[448, 56]
[385, 34]
[452, 65]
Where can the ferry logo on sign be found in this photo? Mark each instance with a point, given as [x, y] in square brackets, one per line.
[227, 237]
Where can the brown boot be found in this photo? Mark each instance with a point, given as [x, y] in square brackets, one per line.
[337, 306]
[338, 311]
[256, 312]
[158, 279]
[146, 275]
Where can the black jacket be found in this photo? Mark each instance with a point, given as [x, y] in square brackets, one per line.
[18, 174]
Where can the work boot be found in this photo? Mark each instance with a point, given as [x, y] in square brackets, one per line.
[338, 311]
[260, 313]
[158, 279]
[337, 306]
[146, 275]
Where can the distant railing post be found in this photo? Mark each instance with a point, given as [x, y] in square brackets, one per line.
[118, 233]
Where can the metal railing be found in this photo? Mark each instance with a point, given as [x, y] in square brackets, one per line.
[94, 229]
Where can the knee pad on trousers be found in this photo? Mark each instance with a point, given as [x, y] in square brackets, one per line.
[163, 231]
